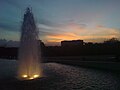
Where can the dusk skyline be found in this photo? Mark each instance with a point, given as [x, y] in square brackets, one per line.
[58, 20]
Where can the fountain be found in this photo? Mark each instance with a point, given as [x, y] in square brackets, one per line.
[29, 66]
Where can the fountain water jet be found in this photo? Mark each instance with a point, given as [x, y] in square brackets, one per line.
[29, 56]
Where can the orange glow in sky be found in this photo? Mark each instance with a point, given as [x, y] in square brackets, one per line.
[74, 32]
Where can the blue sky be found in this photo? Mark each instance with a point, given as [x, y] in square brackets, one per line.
[57, 20]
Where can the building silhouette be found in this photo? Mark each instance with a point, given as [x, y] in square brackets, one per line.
[72, 43]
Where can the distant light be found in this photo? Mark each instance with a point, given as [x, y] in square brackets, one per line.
[24, 76]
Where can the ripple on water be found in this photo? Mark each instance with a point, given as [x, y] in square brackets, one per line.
[77, 78]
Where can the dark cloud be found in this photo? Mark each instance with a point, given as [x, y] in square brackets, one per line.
[14, 3]
[46, 33]
[47, 22]
[8, 27]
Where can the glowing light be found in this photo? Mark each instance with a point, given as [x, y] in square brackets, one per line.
[27, 77]
[35, 76]
[24, 76]
[31, 78]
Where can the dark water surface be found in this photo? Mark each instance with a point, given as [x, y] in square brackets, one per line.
[60, 77]
[77, 78]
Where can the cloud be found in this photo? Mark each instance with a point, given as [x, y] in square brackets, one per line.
[49, 29]
[10, 27]
[75, 31]
[9, 35]
[60, 37]
[46, 22]
[13, 3]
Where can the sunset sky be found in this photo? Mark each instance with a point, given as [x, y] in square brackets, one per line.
[57, 20]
